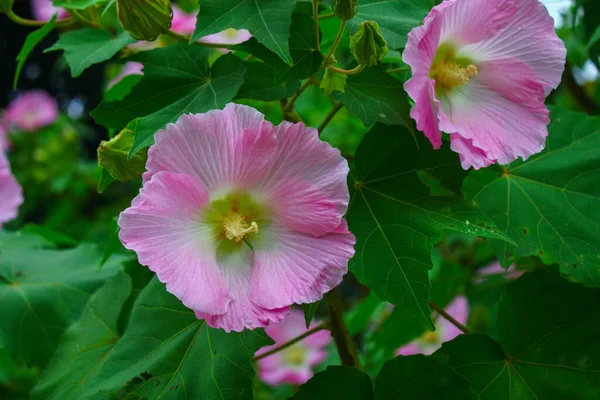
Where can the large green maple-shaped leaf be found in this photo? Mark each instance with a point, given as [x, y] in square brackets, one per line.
[397, 222]
[177, 80]
[267, 20]
[42, 290]
[373, 95]
[167, 353]
[550, 204]
[395, 17]
[420, 377]
[85, 343]
[85, 47]
[547, 346]
[337, 382]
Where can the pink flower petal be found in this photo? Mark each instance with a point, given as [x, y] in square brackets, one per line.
[4, 142]
[409, 349]
[43, 10]
[459, 309]
[163, 226]
[31, 111]
[11, 193]
[182, 22]
[291, 267]
[130, 68]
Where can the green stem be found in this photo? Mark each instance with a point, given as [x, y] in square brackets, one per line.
[326, 16]
[29, 22]
[347, 71]
[292, 342]
[336, 42]
[315, 10]
[449, 317]
[329, 117]
[399, 69]
[339, 331]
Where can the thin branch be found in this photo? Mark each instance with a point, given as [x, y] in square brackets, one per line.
[449, 317]
[315, 10]
[336, 42]
[339, 331]
[29, 22]
[330, 116]
[292, 342]
[305, 85]
[326, 16]
[399, 69]
[347, 71]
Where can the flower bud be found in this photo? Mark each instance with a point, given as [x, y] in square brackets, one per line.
[6, 6]
[367, 44]
[344, 9]
[113, 156]
[145, 19]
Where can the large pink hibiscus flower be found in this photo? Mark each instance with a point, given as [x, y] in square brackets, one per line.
[481, 71]
[241, 218]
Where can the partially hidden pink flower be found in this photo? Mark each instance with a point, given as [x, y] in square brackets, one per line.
[495, 269]
[228, 36]
[293, 364]
[130, 68]
[43, 10]
[241, 218]
[31, 111]
[11, 193]
[444, 330]
[4, 142]
[481, 72]
[182, 22]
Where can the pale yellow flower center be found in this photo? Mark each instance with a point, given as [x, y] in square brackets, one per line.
[430, 338]
[236, 226]
[295, 356]
[450, 74]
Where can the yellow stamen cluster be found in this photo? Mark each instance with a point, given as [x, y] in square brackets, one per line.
[295, 356]
[430, 338]
[236, 227]
[450, 74]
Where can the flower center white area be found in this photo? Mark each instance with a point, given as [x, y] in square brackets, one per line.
[450, 74]
[236, 226]
[295, 356]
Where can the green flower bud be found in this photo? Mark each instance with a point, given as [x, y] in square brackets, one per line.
[145, 19]
[113, 156]
[6, 6]
[367, 44]
[344, 9]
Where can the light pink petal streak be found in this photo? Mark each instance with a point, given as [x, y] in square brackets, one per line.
[11, 193]
[291, 267]
[163, 226]
[43, 10]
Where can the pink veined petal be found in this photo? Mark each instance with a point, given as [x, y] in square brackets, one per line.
[306, 181]
[31, 111]
[164, 227]
[11, 193]
[425, 112]
[470, 21]
[459, 309]
[213, 148]
[470, 156]
[501, 111]
[243, 312]
[292, 267]
[529, 36]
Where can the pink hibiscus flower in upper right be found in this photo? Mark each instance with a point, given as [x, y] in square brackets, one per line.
[481, 72]
[11, 194]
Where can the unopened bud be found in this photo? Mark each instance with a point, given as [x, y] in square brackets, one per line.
[367, 44]
[344, 9]
[145, 19]
[113, 156]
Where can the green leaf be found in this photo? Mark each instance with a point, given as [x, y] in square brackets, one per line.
[595, 38]
[122, 88]
[420, 377]
[177, 79]
[106, 179]
[77, 4]
[337, 382]
[6, 5]
[260, 84]
[56, 238]
[85, 343]
[373, 95]
[167, 353]
[267, 20]
[395, 221]
[33, 39]
[86, 47]
[310, 311]
[306, 59]
[550, 204]
[547, 347]
[42, 291]
[333, 81]
[395, 17]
